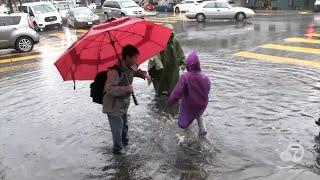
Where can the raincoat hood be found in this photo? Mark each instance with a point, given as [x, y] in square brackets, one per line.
[193, 63]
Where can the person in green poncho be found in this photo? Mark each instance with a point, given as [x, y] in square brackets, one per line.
[164, 67]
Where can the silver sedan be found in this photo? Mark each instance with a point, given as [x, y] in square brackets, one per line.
[218, 10]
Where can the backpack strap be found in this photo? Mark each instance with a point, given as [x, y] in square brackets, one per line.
[118, 69]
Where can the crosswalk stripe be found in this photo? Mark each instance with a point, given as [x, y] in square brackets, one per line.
[292, 48]
[313, 35]
[299, 62]
[303, 40]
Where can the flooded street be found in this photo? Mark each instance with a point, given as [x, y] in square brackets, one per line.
[265, 98]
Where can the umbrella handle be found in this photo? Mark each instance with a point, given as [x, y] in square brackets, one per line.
[134, 99]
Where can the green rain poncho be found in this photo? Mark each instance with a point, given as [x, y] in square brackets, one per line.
[164, 67]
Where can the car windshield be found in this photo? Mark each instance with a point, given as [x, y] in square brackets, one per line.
[43, 8]
[128, 4]
[63, 7]
[82, 11]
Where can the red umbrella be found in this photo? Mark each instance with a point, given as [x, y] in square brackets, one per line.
[101, 47]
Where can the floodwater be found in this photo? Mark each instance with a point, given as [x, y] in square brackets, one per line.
[258, 109]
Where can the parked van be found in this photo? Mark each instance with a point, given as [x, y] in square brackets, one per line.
[116, 8]
[63, 8]
[43, 14]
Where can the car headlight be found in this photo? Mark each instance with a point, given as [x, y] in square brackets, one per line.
[37, 18]
[79, 19]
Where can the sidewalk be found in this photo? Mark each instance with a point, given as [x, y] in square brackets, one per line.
[282, 13]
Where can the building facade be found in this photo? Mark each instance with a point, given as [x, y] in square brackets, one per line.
[279, 4]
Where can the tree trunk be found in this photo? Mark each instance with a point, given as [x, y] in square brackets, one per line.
[9, 3]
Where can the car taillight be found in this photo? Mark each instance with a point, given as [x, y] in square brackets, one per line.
[31, 25]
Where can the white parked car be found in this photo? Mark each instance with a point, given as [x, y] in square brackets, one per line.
[63, 8]
[4, 9]
[92, 6]
[185, 5]
[120, 8]
[43, 14]
[218, 10]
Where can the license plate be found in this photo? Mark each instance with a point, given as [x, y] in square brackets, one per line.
[89, 23]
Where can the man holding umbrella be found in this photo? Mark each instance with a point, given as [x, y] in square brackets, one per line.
[105, 46]
[118, 90]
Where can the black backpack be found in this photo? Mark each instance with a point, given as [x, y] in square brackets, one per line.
[97, 87]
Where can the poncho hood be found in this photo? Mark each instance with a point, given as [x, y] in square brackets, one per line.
[193, 63]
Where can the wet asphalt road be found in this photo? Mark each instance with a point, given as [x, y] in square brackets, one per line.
[265, 97]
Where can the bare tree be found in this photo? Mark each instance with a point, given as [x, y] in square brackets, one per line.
[9, 4]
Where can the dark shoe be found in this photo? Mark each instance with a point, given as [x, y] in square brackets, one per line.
[125, 143]
[318, 122]
[117, 152]
[203, 134]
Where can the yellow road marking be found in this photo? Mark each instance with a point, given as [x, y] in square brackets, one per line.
[303, 40]
[24, 58]
[161, 21]
[304, 12]
[313, 35]
[292, 48]
[299, 62]
[13, 54]
[82, 30]
[27, 58]
[17, 67]
[173, 18]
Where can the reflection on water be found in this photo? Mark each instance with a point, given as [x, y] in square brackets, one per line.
[317, 151]
[49, 131]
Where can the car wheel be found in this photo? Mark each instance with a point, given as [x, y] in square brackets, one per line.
[106, 16]
[177, 10]
[122, 15]
[24, 44]
[240, 17]
[59, 27]
[200, 17]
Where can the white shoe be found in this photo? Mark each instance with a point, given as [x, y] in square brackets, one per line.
[180, 139]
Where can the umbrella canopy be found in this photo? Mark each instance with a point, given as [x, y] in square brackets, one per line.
[101, 47]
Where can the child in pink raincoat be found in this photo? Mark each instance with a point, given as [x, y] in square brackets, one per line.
[193, 89]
